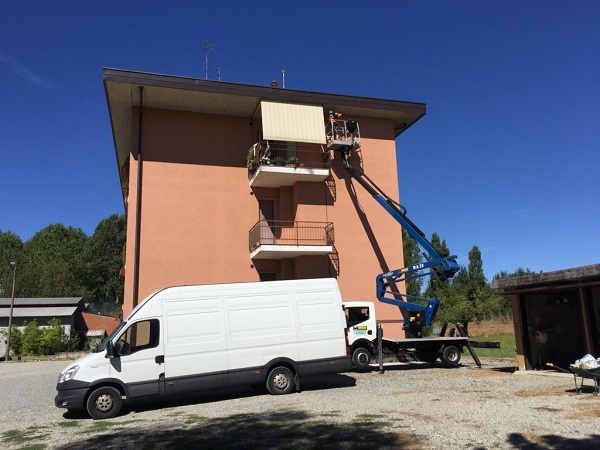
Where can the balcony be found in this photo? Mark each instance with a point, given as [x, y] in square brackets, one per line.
[277, 164]
[279, 239]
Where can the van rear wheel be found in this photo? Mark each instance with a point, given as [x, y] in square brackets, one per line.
[280, 381]
[104, 403]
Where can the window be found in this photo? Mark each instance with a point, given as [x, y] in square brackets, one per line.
[356, 315]
[139, 336]
[268, 276]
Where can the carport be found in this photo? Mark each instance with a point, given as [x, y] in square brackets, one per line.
[556, 315]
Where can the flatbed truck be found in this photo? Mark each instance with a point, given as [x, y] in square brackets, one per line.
[368, 345]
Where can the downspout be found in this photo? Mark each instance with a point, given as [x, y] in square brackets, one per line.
[138, 207]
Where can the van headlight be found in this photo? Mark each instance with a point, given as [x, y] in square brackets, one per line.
[68, 375]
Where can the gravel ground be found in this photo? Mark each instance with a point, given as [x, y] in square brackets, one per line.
[417, 407]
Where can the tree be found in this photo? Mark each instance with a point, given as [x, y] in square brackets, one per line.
[52, 256]
[477, 278]
[437, 286]
[102, 261]
[520, 272]
[412, 256]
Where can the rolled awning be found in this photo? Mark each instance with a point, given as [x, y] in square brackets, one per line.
[292, 122]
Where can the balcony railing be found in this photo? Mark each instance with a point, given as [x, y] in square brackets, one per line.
[290, 239]
[284, 154]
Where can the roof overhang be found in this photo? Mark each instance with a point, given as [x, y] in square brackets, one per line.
[122, 88]
[560, 279]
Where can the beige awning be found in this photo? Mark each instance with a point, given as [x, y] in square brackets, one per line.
[293, 123]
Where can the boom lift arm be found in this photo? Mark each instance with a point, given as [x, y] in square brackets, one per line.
[417, 312]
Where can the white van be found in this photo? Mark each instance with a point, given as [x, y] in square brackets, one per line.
[186, 339]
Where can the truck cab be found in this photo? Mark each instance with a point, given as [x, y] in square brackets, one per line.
[362, 331]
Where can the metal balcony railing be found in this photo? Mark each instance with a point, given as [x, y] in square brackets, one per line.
[286, 154]
[285, 232]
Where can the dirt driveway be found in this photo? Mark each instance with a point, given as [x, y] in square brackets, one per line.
[417, 407]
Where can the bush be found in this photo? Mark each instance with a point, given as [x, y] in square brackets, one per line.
[72, 343]
[16, 340]
[46, 341]
[52, 338]
[32, 338]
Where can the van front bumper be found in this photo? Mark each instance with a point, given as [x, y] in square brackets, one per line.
[71, 394]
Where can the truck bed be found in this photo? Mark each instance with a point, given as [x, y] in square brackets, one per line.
[437, 339]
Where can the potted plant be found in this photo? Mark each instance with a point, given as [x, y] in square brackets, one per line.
[251, 163]
[279, 161]
[293, 161]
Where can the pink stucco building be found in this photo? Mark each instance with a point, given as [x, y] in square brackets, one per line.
[226, 182]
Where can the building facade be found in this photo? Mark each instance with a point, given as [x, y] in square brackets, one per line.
[226, 182]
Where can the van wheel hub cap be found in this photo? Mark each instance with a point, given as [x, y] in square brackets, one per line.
[281, 381]
[104, 403]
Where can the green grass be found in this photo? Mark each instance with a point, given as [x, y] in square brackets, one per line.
[34, 447]
[508, 346]
[194, 418]
[22, 437]
[103, 425]
[69, 424]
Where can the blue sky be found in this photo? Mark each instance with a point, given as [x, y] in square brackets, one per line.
[507, 157]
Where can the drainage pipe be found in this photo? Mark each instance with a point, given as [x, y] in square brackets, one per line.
[138, 207]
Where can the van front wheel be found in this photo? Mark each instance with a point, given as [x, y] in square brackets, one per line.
[104, 403]
[280, 381]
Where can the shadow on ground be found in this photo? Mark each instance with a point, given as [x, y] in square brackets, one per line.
[522, 442]
[308, 384]
[290, 430]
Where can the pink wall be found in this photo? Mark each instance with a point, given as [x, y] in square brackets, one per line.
[197, 209]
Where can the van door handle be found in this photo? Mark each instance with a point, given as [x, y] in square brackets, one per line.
[370, 332]
[160, 359]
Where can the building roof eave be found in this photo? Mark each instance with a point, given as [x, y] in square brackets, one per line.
[226, 98]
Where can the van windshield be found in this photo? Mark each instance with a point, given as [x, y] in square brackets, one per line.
[102, 346]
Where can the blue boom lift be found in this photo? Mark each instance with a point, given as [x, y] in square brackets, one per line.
[418, 312]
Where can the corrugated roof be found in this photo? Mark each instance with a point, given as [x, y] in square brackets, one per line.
[95, 333]
[63, 301]
[32, 312]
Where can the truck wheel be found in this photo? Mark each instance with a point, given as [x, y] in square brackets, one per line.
[450, 356]
[280, 381]
[361, 358]
[104, 403]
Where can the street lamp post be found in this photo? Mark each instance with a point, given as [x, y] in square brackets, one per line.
[10, 316]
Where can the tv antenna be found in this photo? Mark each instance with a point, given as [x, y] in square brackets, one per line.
[220, 72]
[208, 48]
[283, 76]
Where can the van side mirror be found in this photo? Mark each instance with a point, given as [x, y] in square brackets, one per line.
[110, 350]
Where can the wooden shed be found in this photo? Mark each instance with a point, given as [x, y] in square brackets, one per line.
[556, 315]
